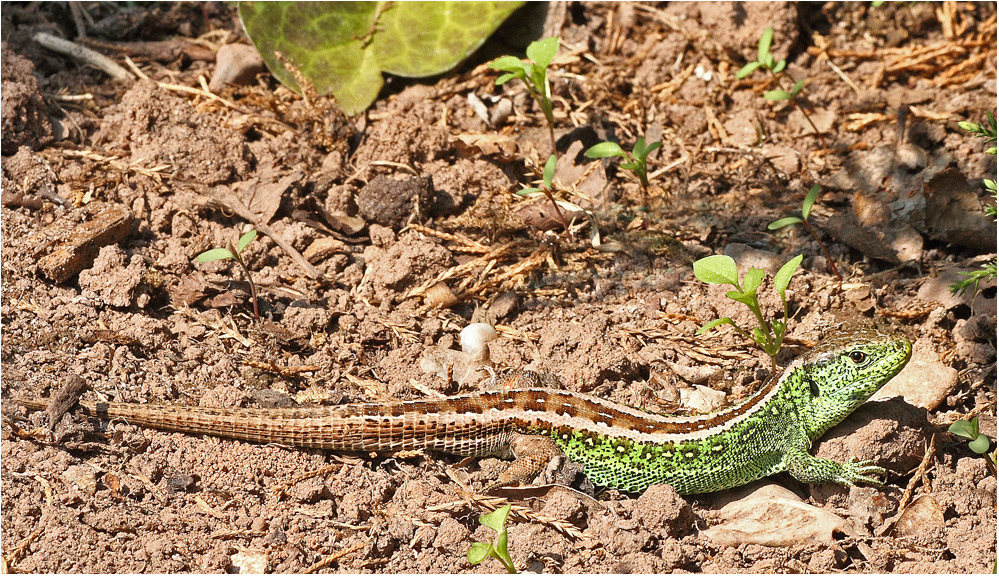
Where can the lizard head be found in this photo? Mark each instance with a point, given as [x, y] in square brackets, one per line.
[843, 371]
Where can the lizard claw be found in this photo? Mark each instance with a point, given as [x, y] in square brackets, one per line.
[864, 471]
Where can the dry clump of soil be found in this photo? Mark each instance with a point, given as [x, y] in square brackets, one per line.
[384, 235]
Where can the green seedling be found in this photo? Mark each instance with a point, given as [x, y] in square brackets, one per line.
[634, 160]
[534, 74]
[985, 130]
[235, 254]
[479, 551]
[720, 269]
[777, 69]
[806, 209]
[546, 188]
[979, 443]
[974, 278]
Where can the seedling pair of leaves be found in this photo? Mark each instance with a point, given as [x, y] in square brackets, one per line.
[479, 551]
[721, 269]
[806, 210]
[534, 74]
[766, 60]
[634, 160]
[979, 443]
[235, 253]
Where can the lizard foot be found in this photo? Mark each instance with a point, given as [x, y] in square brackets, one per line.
[864, 471]
[532, 454]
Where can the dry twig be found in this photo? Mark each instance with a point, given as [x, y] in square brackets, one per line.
[83, 54]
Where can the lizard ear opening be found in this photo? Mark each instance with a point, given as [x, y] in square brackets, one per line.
[814, 388]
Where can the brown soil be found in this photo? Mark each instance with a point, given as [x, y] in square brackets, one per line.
[421, 188]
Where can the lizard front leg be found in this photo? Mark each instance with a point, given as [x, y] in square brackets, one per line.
[813, 470]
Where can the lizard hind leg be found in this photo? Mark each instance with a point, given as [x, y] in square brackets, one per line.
[532, 454]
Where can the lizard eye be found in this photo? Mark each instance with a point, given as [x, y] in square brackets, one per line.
[857, 356]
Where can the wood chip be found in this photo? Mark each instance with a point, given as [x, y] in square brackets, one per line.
[64, 398]
[77, 248]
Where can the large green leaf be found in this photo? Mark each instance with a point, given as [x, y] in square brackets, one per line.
[324, 40]
[416, 39]
[343, 47]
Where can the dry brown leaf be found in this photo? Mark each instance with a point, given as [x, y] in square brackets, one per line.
[489, 144]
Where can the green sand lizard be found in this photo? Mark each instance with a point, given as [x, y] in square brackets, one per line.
[619, 447]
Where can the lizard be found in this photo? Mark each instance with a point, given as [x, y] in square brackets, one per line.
[619, 446]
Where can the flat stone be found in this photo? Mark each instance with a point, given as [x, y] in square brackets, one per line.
[772, 516]
[925, 381]
[236, 64]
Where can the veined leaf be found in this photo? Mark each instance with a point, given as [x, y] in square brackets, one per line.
[717, 269]
[639, 146]
[343, 47]
[779, 328]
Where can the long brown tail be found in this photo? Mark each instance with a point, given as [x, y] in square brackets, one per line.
[307, 428]
[427, 424]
